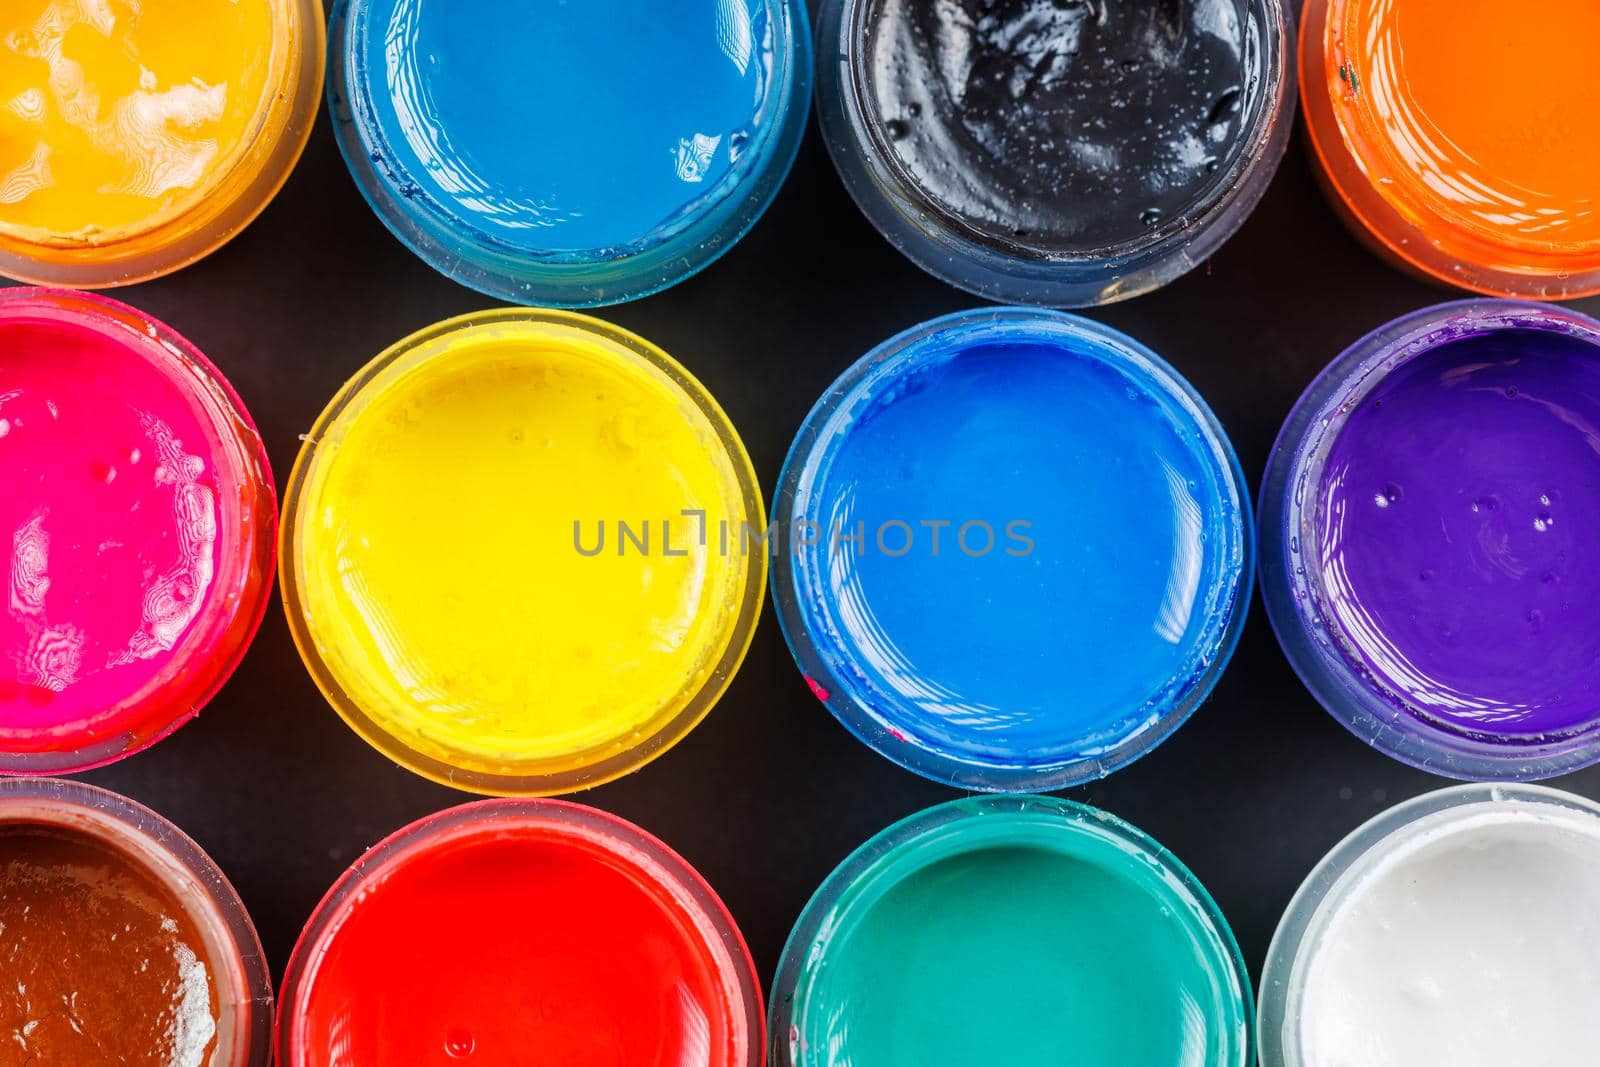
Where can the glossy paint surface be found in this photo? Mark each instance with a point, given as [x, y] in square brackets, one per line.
[135, 529]
[102, 963]
[1468, 938]
[1483, 119]
[116, 115]
[1457, 526]
[1017, 938]
[463, 573]
[505, 941]
[1062, 127]
[1027, 545]
[556, 127]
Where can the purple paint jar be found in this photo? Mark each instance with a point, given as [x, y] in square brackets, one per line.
[1430, 531]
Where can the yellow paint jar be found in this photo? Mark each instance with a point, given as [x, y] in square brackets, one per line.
[136, 136]
[522, 552]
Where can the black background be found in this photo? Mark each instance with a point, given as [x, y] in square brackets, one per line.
[769, 793]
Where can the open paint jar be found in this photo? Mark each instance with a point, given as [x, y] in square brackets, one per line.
[1065, 154]
[123, 942]
[1460, 927]
[1430, 526]
[1481, 177]
[517, 552]
[1014, 550]
[570, 154]
[137, 136]
[137, 528]
[1011, 930]
[506, 928]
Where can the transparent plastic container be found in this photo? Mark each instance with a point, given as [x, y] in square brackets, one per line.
[202, 655]
[838, 655]
[335, 639]
[208, 216]
[1367, 159]
[1340, 877]
[583, 834]
[527, 269]
[242, 985]
[1293, 586]
[1012, 271]
[1005, 824]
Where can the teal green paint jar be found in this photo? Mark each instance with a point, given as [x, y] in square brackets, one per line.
[1009, 931]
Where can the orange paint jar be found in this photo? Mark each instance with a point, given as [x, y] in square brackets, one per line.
[1462, 140]
[138, 135]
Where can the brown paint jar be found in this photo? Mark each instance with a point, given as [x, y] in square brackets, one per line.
[120, 940]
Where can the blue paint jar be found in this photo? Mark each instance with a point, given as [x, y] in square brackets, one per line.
[569, 154]
[1013, 550]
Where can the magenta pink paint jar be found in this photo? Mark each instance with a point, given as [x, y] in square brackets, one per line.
[137, 527]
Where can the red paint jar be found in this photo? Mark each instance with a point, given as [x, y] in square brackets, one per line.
[511, 931]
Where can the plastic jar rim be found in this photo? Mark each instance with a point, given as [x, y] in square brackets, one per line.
[797, 614]
[237, 603]
[664, 734]
[191, 875]
[208, 217]
[934, 833]
[941, 244]
[584, 278]
[1291, 589]
[643, 853]
[1339, 873]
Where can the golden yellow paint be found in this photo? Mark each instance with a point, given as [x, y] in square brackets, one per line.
[123, 120]
[432, 572]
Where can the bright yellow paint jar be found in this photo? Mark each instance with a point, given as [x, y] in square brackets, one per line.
[522, 552]
[138, 135]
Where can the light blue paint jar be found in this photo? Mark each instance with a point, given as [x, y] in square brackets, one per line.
[569, 154]
[1014, 550]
